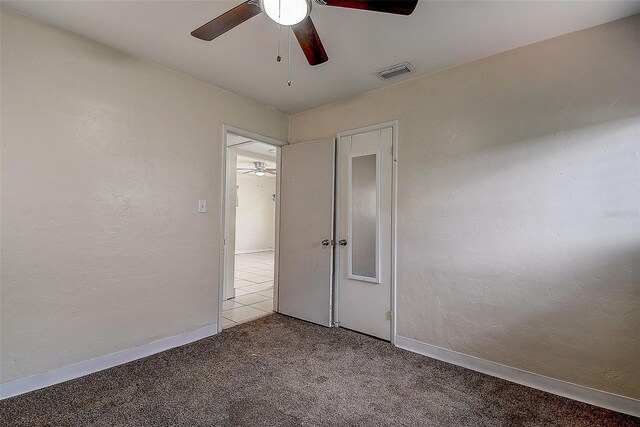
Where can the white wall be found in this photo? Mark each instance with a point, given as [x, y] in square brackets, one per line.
[255, 214]
[104, 158]
[518, 204]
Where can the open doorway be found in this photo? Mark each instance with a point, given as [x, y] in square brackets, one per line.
[251, 222]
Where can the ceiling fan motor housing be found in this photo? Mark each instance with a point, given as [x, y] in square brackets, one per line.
[286, 12]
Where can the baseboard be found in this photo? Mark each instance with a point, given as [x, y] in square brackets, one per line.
[56, 376]
[254, 251]
[603, 399]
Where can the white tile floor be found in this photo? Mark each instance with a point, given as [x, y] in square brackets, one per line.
[254, 289]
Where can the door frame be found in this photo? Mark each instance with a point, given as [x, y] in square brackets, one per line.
[226, 129]
[394, 204]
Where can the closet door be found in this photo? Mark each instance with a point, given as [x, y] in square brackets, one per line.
[364, 231]
[306, 231]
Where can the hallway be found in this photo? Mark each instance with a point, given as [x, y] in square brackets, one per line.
[253, 289]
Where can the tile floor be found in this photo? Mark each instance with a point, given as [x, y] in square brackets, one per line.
[254, 289]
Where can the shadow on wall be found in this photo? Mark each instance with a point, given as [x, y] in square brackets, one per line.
[567, 318]
[529, 253]
[588, 323]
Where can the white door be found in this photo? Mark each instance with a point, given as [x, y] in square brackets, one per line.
[306, 231]
[365, 168]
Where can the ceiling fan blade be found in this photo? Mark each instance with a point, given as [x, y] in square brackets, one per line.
[271, 172]
[310, 42]
[227, 21]
[251, 171]
[245, 169]
[398, 7]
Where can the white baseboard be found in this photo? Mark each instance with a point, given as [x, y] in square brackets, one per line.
[66, 373]
[595, 397]
[252, 251]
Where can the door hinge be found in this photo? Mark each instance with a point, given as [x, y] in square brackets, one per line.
[389, 315]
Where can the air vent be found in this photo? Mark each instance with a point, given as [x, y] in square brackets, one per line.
[394, 71]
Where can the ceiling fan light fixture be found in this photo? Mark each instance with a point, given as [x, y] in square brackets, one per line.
[286, 12]
[260, 173]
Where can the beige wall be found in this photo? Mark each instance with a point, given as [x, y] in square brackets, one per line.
[256, 213]
[518, 199]
[103, 160]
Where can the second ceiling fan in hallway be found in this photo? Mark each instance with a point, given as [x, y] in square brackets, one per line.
[260, 169]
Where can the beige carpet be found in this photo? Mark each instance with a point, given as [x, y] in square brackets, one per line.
[277, 371]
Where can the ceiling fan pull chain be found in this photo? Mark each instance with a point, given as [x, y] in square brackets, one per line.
[279, 58]
[289, 81]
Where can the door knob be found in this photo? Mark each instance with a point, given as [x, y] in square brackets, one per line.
[342, 242]
[326, 242]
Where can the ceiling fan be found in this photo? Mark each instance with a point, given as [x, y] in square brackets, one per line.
[295, 14]
[260, 169]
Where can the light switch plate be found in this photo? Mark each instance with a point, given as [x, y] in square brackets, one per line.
[202, 206]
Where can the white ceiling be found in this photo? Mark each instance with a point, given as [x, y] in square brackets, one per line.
[260, 149]
[438, 35]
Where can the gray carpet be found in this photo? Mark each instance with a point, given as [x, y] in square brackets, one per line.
[285, 372]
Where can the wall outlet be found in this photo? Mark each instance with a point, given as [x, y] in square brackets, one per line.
[202, 206]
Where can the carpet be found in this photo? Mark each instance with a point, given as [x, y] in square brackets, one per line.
[278, 371]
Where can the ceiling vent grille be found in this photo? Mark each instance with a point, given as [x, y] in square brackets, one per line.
[394, 71]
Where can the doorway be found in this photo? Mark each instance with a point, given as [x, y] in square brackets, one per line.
[337, 235]
[251, 213]
[335, 250]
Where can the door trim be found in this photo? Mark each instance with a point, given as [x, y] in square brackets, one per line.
[226, 129]
[394, 205]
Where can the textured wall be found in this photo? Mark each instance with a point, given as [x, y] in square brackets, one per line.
[518, 199]
[256, 213]
[103, 160]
